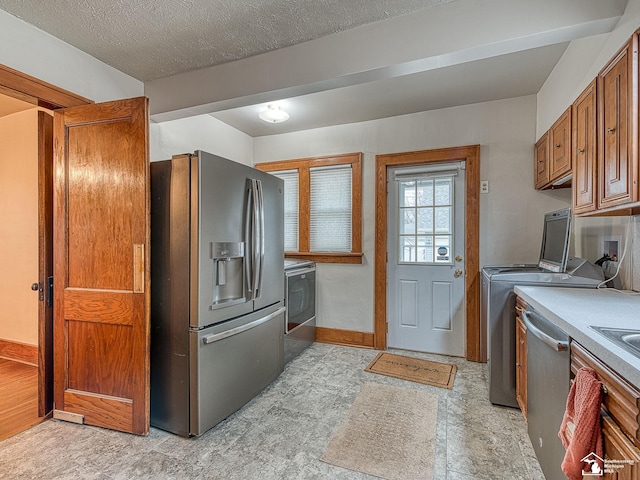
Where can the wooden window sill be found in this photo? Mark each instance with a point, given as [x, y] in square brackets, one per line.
[317, 257]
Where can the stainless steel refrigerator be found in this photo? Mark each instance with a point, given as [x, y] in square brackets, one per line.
[217, 289]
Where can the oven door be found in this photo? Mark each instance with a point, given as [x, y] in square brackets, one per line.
[300, 297]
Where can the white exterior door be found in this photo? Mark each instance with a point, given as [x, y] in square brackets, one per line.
[425, 264]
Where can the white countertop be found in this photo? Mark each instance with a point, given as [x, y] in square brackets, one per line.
[574, 310]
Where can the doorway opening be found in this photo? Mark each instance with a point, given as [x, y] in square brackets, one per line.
[31, 359]
[470, 155]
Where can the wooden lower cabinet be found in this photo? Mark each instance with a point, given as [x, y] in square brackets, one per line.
[521, 365]
[620, 416]
[622, 458]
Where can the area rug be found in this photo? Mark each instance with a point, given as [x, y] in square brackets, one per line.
[389, 432]
[413, 369]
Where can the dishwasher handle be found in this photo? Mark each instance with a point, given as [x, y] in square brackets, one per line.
[554, 343]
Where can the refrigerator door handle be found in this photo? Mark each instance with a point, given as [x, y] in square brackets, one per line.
[256, 235]
[235, 331]
[248, 232]
[260, 209]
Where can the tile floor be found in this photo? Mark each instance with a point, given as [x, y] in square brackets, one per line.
[282, 433]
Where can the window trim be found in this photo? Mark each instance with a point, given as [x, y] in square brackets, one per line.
[303, 166]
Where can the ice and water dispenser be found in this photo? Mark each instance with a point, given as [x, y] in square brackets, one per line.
[228, 273]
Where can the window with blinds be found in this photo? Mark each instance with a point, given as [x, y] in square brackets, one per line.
[291, 209]
[330, 209]
[323, 206]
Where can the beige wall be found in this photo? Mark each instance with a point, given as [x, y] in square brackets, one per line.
[19, 226]
[511, 214]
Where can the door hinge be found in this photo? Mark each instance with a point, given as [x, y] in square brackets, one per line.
[68, 416]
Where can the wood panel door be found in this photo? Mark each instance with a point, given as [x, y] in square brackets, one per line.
[584, 151]
[617, 128]
[45, 265]
[541, 162]
[560, 147]
[101, 247]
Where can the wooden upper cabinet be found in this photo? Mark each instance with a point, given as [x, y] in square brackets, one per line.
[560, 147]
[584, 150]
[541, 162]
[618, 128]
[552, 156]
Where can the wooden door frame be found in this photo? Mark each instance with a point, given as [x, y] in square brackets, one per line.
[45, 263]
[471, 156]
[42, 94]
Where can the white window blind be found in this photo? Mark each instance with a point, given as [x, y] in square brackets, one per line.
[291, 209]
[330, 205]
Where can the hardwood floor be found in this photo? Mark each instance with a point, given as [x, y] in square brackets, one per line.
[18, 397]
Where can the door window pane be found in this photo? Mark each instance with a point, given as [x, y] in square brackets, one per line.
[425, 193]
[444, 190]
[407, 194]
[425, 220]
[408, 221]
[443, 219]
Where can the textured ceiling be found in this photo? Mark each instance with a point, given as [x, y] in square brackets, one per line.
[349, 61]
[153, 39]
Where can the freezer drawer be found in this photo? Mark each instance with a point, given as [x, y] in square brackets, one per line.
[230, 365]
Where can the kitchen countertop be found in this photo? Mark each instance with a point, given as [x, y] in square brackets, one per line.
[574, 310]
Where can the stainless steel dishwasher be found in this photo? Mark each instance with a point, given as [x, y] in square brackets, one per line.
[548, 380]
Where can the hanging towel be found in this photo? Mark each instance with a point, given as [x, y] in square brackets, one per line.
[583, 411]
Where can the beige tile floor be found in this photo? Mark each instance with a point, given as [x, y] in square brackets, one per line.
[282, 433]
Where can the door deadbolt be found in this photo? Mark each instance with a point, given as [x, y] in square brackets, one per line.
[457, 273]
[458, 258]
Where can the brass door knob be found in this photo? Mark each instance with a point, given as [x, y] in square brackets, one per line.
[457, 273]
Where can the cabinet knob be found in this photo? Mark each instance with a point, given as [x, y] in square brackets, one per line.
[557, 145]
[581, 150]
[611, 130]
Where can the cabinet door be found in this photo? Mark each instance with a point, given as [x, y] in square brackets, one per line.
[584, 150]
[521, 365]
[617, 129]
[622, 458]
[541, 161]
[560, 147]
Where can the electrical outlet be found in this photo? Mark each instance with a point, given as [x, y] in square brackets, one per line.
[611, 245]
[484, 186]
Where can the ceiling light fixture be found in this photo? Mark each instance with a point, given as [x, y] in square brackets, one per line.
[273, 114]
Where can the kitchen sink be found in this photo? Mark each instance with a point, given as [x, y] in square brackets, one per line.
[624, 338]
